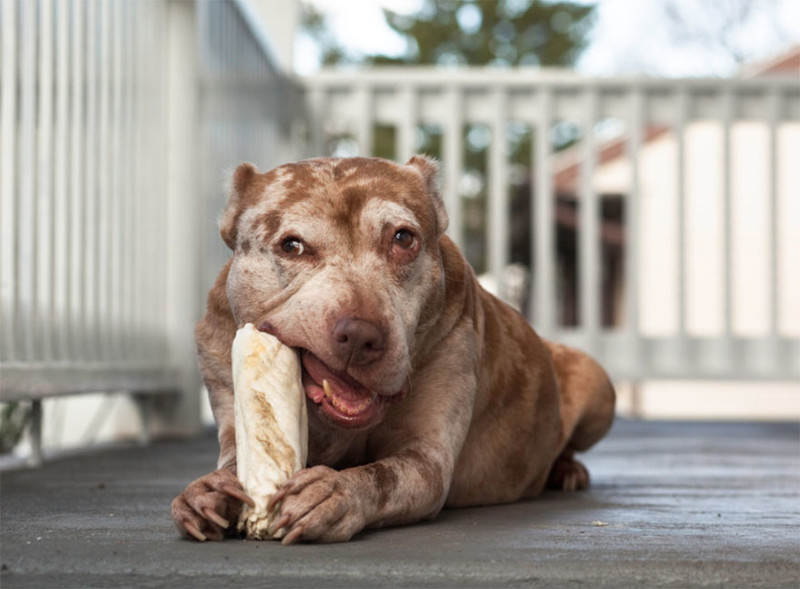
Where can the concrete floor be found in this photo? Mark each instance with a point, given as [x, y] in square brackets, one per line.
[672, 504]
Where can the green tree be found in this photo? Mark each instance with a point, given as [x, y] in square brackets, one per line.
[501, 32]
[472, 32]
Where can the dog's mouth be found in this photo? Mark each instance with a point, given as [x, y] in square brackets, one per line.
[342, 400]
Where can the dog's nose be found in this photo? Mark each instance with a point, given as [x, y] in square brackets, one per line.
[358, 341]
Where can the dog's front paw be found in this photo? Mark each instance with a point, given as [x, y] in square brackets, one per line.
[209, 506]
[317, 504]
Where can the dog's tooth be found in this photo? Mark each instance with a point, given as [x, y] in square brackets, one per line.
[347, 407]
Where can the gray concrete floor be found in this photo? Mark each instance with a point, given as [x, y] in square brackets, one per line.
[672, 504]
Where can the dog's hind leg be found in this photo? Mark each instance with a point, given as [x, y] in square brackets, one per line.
[587, 411]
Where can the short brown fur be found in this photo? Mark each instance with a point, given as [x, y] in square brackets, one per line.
[478, 409]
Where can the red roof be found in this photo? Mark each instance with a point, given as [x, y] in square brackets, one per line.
[784, 63]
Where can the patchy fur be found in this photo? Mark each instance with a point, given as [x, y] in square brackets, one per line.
[442, 394]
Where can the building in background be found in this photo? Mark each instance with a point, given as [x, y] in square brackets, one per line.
[756, 300]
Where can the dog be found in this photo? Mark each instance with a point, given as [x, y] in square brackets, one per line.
[440, 394]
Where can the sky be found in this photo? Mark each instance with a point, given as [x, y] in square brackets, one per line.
[630, 36]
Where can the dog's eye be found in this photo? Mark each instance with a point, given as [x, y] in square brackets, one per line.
[404, 238]
[293, 246]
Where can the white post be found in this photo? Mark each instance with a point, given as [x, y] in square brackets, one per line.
[45, 319]
[681, 120]
[280, 20]
[8, 163]
[637, 125]
[497, 206]
[543, 207]
[454, 162]
[364, 121]
[407, 124]
[589, 295]
[61, 205]
[26, 233]
[183, 246]
[727, 119]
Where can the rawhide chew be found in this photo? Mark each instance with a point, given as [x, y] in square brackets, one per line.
[271, 422]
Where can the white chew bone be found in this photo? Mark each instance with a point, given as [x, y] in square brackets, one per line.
[271, 422]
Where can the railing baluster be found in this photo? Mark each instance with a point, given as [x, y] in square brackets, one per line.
[76, 301]
[637, 130]
[589, 246]
[681, 119]
[9, 302]
[365, 120]
[453, 150]
[117, 167]
[43, 329]
[727, 217]
[166, 172]
[128, 264]
[407, 125]
[498, 190]
[142, 303]
[317, 106]
[773, 278]
[105, 233]
[90, 241]
[27, 233]
[61, 209]
[544, 240]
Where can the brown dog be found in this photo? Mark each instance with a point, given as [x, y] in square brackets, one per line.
[441, 394]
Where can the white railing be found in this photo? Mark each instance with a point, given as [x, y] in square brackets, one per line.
[634, 201]
[118, 120]
[692, 276]
[83, 216]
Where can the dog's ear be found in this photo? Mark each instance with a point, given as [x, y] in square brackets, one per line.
[428, 168]
[239, 183]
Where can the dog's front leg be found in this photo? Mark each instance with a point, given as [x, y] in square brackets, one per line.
[325, 505]
[408, 482]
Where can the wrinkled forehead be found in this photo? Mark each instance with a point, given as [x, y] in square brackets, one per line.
[340, 191]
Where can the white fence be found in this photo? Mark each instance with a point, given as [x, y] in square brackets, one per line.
[81, 119]
[118, 120]
[678, 201]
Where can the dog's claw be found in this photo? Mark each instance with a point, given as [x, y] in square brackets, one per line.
[192, 529]
[238, 494]
[292, 536]
[216, 518]
[275, 527]
[276, 498]
[209, 505]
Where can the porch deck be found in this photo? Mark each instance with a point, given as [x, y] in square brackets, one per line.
[672, 504]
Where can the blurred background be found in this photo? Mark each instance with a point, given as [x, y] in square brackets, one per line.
[621, 171]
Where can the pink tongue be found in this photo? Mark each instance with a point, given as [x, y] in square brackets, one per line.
[313, 390]
[347, 392]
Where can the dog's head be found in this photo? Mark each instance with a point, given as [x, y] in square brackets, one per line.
[340, 259]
